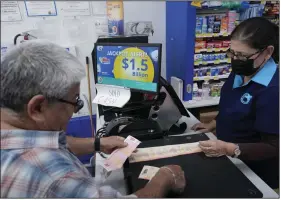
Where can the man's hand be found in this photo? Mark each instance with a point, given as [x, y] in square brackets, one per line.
[109, 144]
[168, 178]
[217, 148]
[203, 127]
[174, 176]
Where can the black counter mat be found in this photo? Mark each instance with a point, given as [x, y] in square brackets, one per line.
[206, 177]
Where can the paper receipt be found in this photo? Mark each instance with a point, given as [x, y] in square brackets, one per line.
[119, 156]
[154, 153]
[148, 172]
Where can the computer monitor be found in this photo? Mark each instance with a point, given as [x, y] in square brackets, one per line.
[136, 65]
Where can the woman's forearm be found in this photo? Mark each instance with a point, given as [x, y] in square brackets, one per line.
[80, 146]
[213, 124]
[266, 149]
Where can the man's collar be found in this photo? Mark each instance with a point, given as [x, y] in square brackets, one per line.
[263, 77]
[25, 139]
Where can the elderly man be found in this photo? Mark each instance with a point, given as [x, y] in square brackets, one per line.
[40, 85]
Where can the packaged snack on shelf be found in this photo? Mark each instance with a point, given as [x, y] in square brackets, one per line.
[199, 94]
[195, 73]
[204, 26]
[224, 24]
[220, 87]
[216, 56]
[204, 71]
[214, 71]
[197, 57]
[222, 56]
[218, 44]
[199, 72]
[200, 44]
[199, 23]
[232, 16]
[221, 70]
[214, 90]
[226, 44]
[195, 93]
[210, 45]
[217, 24]
[208, 71]
[227, 69]
[205, 57]
[211, 57]
[211, 20]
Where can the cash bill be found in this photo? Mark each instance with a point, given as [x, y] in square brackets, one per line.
[148, 172]
[119, 156]
[154, 153]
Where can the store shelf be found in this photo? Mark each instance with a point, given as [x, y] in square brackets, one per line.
[213, 101]
[197, 63]
[210, 35]
[203, 78]
[211, 50]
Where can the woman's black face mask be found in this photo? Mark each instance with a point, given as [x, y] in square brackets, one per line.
[245, 67]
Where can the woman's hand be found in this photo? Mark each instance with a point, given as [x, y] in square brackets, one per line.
[216, 148]
[109, 144]
[204, 127]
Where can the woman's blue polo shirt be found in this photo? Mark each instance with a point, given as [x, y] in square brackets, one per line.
[245, 110]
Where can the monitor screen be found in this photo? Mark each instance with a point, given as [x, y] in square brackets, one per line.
[134, 66]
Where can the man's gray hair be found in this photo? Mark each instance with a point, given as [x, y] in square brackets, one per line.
[37, 67]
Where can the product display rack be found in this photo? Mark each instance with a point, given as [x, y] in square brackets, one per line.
[182, 34]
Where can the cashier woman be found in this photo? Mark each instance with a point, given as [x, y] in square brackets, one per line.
[247, 125]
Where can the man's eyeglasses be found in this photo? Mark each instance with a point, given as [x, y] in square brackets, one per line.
[230, 53]
[78, 105]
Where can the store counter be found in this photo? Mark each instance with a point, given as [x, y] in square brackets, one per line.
[116, 178]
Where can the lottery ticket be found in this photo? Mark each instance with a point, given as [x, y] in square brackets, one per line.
[154, 153]
[148, 172]
[119, 156]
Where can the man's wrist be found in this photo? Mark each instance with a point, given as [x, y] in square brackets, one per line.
[97, 145]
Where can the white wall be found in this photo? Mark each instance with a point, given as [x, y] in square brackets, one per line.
[133, 11]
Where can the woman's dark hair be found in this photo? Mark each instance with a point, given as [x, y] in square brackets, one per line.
[258, 33]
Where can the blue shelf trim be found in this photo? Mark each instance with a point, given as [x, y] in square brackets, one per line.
[180, 41]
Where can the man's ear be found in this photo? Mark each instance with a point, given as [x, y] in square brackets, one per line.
[36, 107]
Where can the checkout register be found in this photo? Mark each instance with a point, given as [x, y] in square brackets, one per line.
[153, 114]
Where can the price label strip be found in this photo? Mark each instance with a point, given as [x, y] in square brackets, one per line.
[154, 153]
